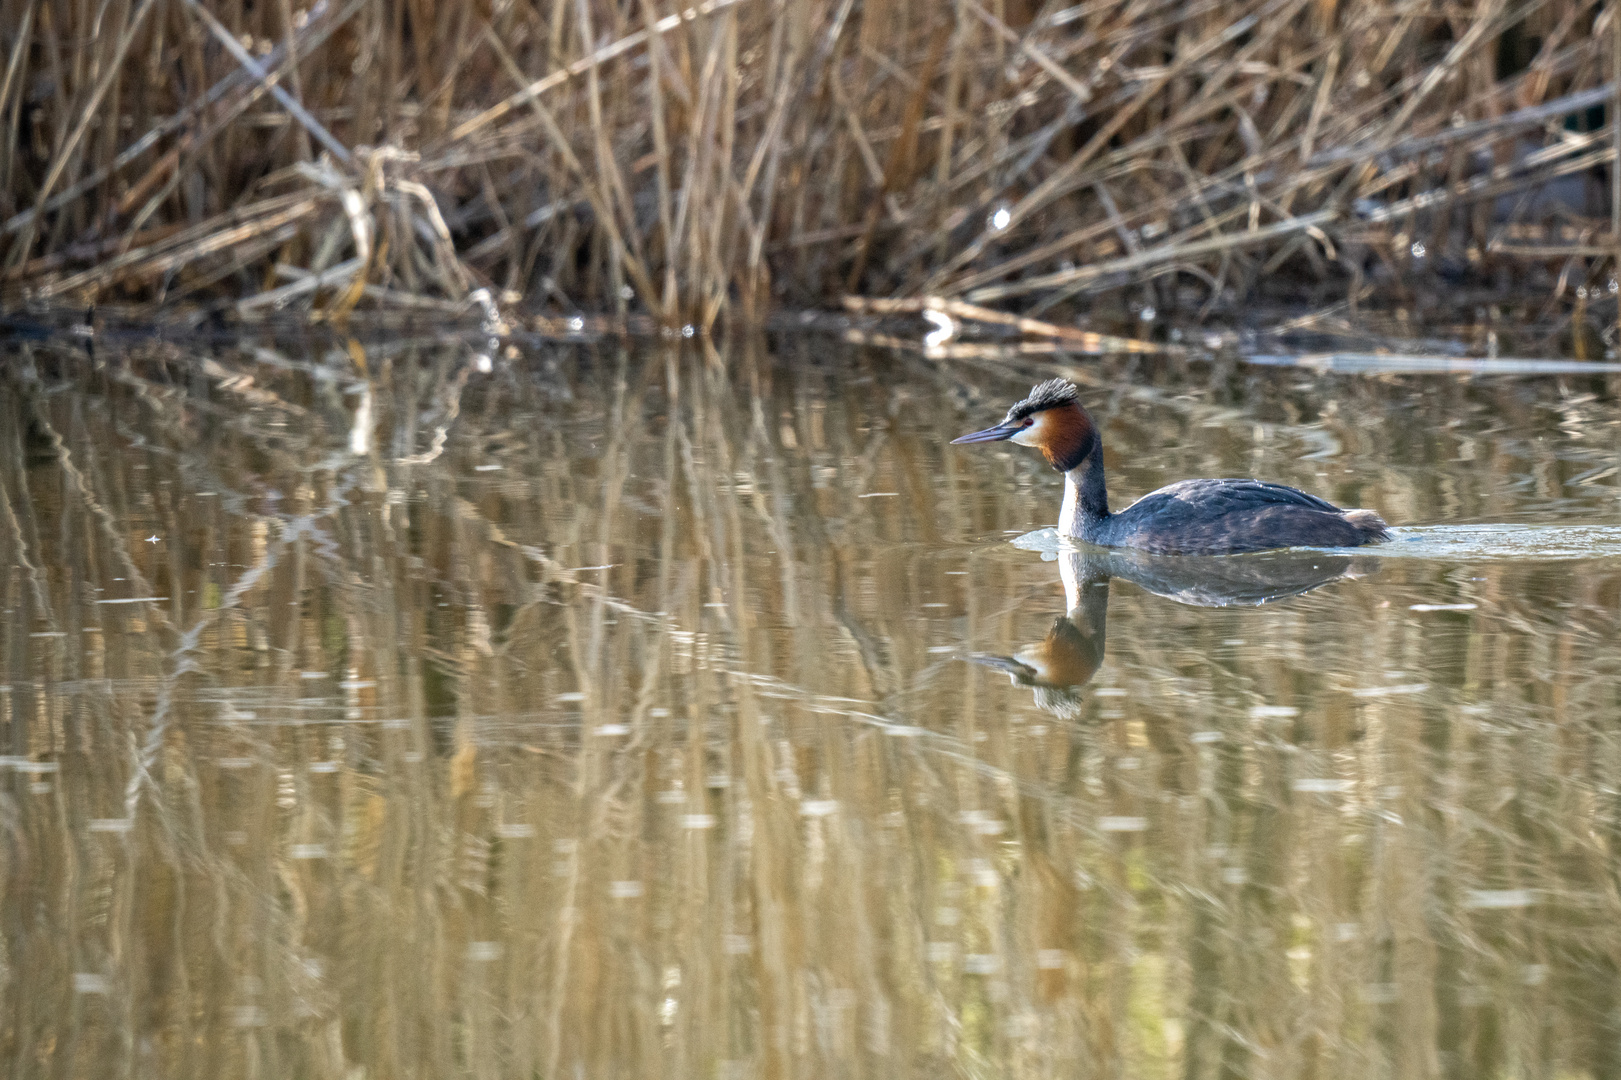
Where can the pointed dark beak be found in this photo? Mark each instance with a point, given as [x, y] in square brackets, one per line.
[993, 434]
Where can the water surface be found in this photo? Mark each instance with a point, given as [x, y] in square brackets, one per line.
[661, 713]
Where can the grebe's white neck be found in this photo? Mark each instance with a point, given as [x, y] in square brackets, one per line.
[1069, 515]
[1086, 500]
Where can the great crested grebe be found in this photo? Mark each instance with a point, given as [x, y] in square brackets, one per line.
[1193, 517]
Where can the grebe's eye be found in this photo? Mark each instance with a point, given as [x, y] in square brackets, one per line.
[1029, 420]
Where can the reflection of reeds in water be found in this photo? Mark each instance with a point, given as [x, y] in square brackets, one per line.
[619, 735]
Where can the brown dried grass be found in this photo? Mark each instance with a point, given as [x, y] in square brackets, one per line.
[738, 155]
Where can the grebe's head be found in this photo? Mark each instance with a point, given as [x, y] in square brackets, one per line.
[1051, 420]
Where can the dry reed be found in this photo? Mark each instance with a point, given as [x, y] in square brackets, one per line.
[738, 155]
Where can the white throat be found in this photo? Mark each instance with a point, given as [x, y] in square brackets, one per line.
[1069, 515]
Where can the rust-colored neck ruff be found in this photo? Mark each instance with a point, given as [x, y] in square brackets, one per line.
[1064, 436]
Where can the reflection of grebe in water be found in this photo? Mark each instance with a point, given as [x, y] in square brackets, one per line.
[1057, 666]
[1193, 517]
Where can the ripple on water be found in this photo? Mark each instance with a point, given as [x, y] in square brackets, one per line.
[1478, 542]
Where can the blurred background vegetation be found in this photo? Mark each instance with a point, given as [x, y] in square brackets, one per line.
[746, 156]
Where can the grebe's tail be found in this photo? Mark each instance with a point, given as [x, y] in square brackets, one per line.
[1370, 525]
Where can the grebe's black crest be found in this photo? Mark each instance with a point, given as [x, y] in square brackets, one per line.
[1043, 396]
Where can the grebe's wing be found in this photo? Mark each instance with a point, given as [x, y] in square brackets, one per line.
[1208, 499]
[1227, 517]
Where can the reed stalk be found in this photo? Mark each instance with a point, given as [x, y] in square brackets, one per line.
[725, 158]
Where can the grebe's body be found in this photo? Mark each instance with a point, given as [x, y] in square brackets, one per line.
[1193, 517]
